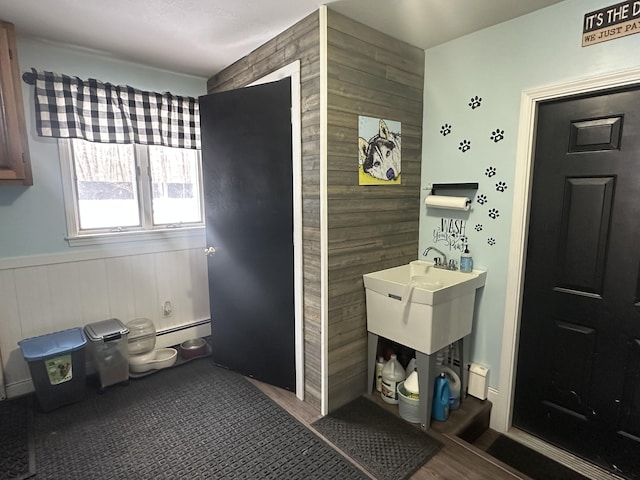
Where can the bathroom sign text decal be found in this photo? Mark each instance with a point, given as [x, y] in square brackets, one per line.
[612, 22]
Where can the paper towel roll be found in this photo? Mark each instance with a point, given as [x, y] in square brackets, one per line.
[451, 203]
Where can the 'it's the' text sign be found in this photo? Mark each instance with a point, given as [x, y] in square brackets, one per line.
[617, 21]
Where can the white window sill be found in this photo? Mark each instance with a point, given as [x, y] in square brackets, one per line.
[187, 237]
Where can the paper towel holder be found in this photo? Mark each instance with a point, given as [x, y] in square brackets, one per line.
[453, 186]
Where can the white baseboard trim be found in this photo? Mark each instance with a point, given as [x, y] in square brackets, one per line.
[22, 387]
[167, 338]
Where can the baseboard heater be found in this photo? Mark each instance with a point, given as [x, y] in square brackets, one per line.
[172, 336]
[183, 327]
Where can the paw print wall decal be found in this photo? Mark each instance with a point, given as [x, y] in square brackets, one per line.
[501, 186]
[475, 102]
[465, 145]
[478, 227]
[491, 241]
[490, 171]
[482, 199]
[445, 129]
[493, 213]
[497, 135]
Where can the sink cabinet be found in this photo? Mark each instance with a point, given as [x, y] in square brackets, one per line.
[421, 306]
[15, 164]
[426, 309]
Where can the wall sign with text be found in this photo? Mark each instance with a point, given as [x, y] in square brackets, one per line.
[612, 22]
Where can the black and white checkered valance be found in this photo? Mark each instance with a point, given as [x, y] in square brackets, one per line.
[69, 107]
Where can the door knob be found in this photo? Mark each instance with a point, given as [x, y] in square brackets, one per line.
[209, 251]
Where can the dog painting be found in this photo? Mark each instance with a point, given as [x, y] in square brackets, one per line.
[379, 156]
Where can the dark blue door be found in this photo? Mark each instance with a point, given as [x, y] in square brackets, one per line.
[248, 193]
[578, 381]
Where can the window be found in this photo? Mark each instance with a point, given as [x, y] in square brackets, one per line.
[115, 192]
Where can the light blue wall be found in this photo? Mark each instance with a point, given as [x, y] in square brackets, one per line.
[497, 64]
[32, 218]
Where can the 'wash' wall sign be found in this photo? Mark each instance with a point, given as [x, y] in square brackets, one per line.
[612, 22]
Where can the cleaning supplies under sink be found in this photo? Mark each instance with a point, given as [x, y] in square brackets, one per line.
[454, 386]
[411, 385]
[441, 397]
[392, 374]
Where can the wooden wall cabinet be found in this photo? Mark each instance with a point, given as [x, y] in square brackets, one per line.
[15, 164]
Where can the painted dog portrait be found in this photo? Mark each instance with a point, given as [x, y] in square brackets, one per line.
[380, 156]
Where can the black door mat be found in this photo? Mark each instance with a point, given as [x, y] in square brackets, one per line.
[384, 444]
[17, 457]
[195, 421]
[530, 462]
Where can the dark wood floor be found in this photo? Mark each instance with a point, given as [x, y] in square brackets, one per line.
[458, 460]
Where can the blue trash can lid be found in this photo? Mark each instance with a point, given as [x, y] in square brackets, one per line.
[45, 346]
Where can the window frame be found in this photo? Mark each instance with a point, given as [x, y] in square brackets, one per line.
[146, 231]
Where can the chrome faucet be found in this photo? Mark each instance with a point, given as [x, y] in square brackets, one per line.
[440, 262]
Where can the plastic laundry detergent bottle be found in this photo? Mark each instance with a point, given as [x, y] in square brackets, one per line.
[392, 374]
[454, 386]
[441, 396]
[379, 367]
[411, 367]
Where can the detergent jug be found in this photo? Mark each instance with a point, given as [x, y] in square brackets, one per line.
[441, 396]
[454, 385]
[392, 374]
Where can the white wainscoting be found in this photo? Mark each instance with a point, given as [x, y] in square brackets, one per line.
[53, 293]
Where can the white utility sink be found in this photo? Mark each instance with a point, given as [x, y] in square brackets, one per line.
[423, 307]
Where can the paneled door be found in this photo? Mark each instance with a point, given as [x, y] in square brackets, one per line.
[248, 192]
[578, 377]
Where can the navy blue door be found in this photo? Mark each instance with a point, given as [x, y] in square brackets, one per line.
[578, 383]
[248, 193]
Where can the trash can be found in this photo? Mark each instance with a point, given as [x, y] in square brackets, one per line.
[108, 348]
[57, 365]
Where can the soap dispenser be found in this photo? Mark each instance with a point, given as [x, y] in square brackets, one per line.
[466, 260]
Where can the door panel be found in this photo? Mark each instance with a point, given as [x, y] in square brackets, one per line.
[248, 191]
[585, 222]
[577, 382]
[573, 348]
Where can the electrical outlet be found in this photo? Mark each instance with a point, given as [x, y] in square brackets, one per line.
[167, 309]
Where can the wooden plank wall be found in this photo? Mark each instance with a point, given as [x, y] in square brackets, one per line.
[369, 227]
[300, 42]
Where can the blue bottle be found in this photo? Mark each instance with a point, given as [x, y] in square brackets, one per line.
[441, 396]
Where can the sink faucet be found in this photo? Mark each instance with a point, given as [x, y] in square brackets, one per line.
[438, 262]
[441, 262]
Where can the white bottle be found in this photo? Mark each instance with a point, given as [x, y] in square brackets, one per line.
[410, 367]
[392, 374]
[466, 260]
[379, 367]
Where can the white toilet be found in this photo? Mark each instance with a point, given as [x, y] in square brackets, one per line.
[143, 356]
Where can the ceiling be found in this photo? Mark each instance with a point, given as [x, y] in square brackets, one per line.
[202, 37]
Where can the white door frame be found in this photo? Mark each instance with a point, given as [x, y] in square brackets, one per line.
[502, 410]
[3, 393]
[293, 70]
